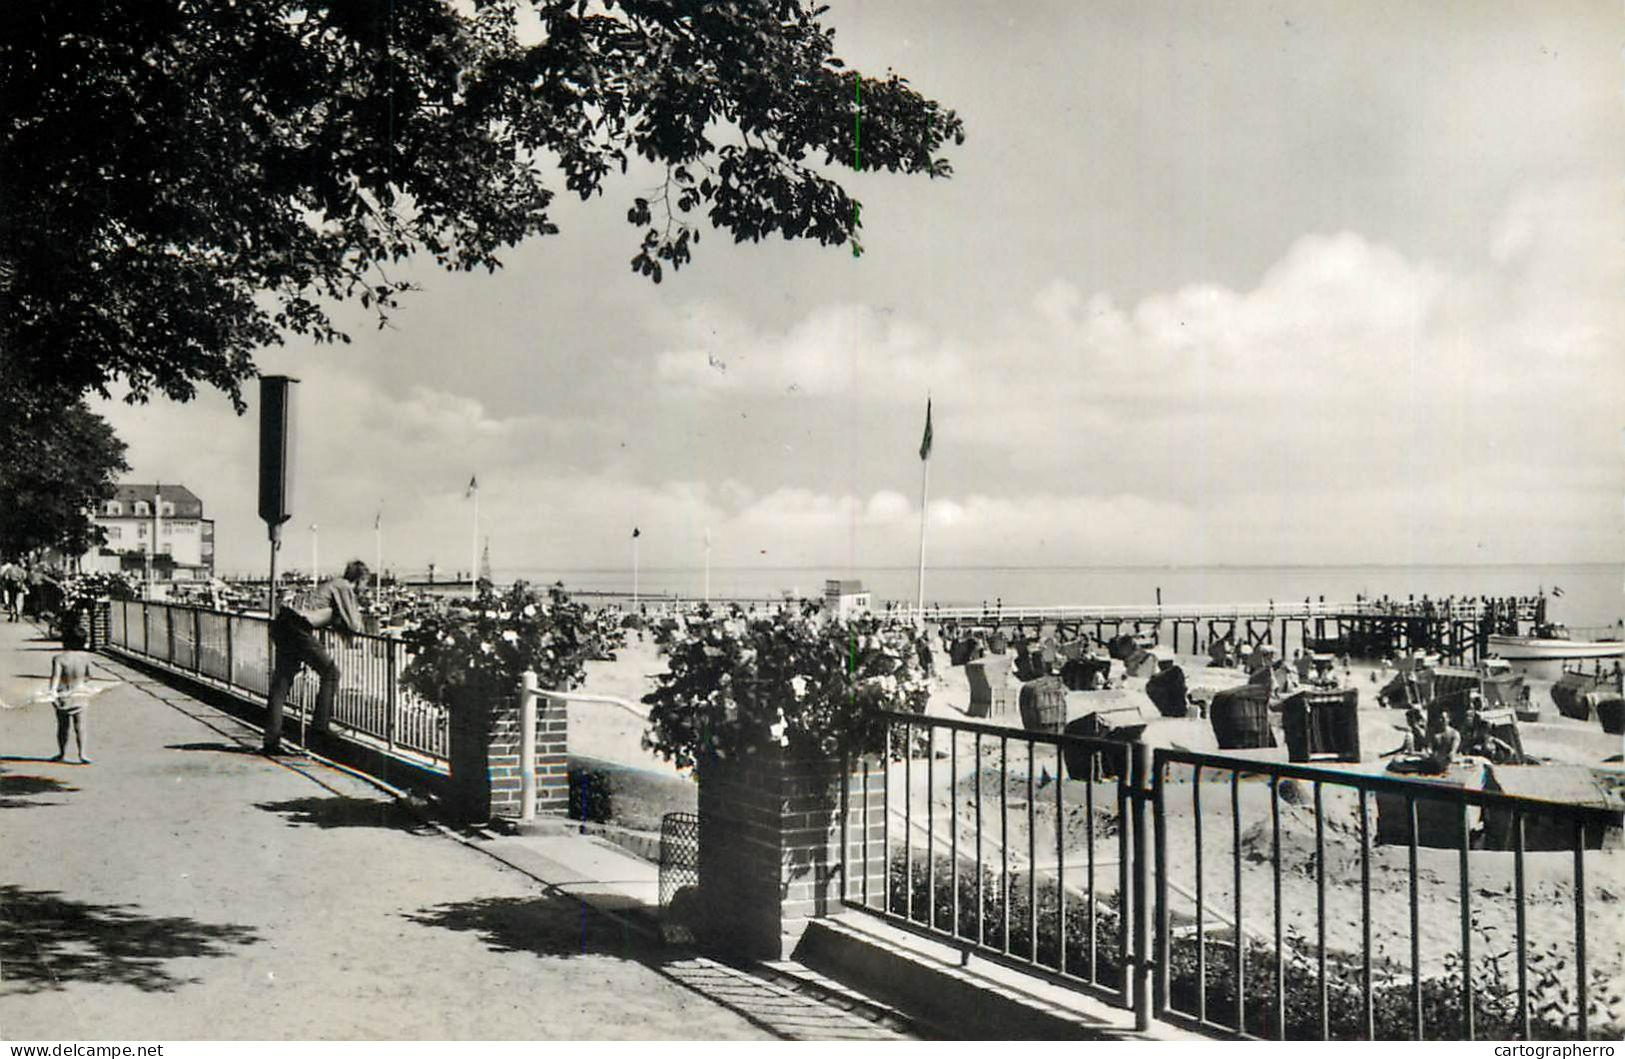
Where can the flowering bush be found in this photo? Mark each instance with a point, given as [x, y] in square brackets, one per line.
[81, 589]
[797, 679]
[480, 649]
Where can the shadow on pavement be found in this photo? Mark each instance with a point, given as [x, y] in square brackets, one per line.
[343, 811]
[49, 940]
[219, 748]
[547, 926]
[554, 925]
[15, 789]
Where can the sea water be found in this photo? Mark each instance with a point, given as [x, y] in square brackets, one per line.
[1589, 598]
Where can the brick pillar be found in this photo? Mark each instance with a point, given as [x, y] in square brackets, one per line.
[489, 784]
[770, 846]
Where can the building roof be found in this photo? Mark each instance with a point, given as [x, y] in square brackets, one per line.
[844, 588]
[186, 502]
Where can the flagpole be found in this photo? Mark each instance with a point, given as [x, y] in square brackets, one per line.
[634, 570]
[474, 550]
[708, 564]
[925, 482]
[377, 554]
[925, 502]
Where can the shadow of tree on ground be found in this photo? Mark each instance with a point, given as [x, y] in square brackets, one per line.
[547, 926]
[49, 941]
[15, 790]
[343, 811]
[555, 925]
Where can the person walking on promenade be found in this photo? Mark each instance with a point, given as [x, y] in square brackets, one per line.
[69, 690]
[13, 589]
[332, 604]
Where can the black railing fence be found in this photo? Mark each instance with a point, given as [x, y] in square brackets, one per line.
[1254, 898]
[233, 651]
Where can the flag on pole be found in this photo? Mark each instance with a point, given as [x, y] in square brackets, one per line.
[473, 486]
[378, 521]
[636, 533]
[925, 442]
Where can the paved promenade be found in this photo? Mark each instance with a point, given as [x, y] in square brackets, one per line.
[183, 887]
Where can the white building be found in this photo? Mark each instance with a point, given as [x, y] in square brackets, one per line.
[160, 527]
[845, 597]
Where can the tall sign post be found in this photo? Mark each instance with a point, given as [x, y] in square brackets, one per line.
[276, 480]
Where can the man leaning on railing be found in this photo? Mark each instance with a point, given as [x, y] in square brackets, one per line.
[332, 604]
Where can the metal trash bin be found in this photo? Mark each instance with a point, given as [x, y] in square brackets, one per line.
[679, 877]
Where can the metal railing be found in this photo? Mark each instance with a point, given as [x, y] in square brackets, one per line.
[1036, 873]
[1260, 899]
[233, 651]
[1308, 984]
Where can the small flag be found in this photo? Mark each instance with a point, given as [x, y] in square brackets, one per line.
[1556, 591]
[473, 487]
[636, 533]
[925, 442]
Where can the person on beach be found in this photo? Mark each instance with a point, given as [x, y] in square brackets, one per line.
[69, 689]
[1442, 745]
[332, 604]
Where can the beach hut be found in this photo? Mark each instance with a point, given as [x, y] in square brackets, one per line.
[1123, 725]
[1569, 784]
[1167, 690]
[964, 649]
[1140, 664]
[1043, 705]
[1322, 725]
[1438, 820]
[989, 678]
[1086, 673]
[1241, 718]
[1590, 696]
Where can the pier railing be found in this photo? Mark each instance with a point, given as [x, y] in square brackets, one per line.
[1254, 898]
[1458, 609]
[233, 652]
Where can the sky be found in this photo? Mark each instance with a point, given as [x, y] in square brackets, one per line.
[1258, 283]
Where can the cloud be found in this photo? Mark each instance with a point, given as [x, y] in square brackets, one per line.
[1353, 405]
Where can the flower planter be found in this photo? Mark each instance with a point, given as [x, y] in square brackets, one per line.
[770, 833]
[469, 726]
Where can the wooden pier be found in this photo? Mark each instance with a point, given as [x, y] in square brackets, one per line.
[1455, 629]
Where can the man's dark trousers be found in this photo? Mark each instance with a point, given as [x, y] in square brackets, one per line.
[296, 644]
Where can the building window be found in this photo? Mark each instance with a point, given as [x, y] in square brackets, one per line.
[166, 509]
[114, 508]
[141, 531]
[141, 509]
[115, 533]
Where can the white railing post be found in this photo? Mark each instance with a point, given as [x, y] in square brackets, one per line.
[527, 745]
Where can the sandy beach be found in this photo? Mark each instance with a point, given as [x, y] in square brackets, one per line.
[609, 737]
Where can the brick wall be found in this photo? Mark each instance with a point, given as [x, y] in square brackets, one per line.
[770, 846]
[500, 762]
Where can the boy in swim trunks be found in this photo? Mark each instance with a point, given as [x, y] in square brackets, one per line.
[70, 690]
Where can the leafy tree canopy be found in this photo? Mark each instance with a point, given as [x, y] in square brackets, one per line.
[184, 181]
[55, 464]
